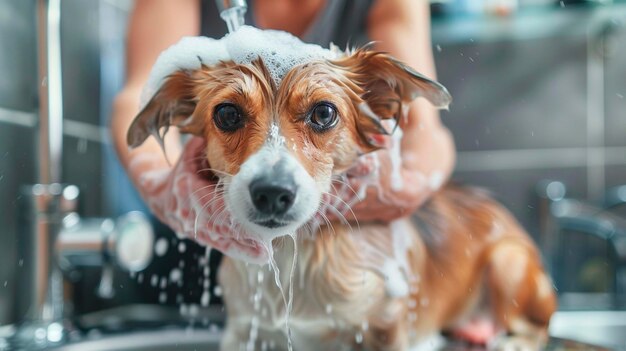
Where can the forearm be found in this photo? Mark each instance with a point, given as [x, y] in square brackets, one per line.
[428, 147]
[402, 28]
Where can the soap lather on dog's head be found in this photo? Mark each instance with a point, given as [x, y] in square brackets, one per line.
[282, 143]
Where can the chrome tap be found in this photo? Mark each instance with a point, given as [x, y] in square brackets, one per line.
[52, 235]
[560, 216]
[232, 12]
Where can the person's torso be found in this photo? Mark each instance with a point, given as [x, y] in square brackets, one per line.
[342, 22]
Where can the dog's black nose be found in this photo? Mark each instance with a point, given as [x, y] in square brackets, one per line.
[272, 196]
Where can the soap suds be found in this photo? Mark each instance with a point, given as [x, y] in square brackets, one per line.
[280, 52]
[395, 154]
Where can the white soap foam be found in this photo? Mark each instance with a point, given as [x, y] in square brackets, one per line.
[280, 51]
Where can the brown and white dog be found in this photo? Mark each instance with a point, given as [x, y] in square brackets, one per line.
[375, 286]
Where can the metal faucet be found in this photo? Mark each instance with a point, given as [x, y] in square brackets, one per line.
[232, 12]
[53, 238]
[559, 215]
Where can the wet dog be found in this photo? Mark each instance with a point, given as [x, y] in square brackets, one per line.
[276, 149]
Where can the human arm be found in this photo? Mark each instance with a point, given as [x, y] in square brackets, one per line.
[402, 28]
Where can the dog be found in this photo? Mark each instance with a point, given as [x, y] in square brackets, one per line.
[373, 286]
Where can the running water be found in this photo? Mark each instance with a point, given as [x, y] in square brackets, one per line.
[234, 18]
[288, 301]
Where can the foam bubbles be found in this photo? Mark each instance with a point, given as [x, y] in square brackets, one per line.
[280, 51]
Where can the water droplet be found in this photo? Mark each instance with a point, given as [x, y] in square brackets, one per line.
[183, 309]
[154, 280]
[20, 262]
[160, 247]
[619, 96]
[182, 247]
[438, 48]
[5, 283]
[329, 309]
[217, 291]
[163, 297]
[204, 300]
[81, 146]
[194, 310]
[358, 337]
[175, 275]
[562, 3]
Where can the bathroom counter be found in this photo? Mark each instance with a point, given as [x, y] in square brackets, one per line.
[555, 344]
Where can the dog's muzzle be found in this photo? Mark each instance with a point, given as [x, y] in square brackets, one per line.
[272, 197]
[272, 194]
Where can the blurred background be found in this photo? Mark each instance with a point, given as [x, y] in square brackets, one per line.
[539, 118]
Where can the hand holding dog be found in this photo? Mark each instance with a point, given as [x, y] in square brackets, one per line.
[189, 200]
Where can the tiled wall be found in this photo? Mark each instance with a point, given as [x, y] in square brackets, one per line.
[18, 137]
[520, 111]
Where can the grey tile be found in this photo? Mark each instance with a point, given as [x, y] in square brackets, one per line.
[615, 175]
[82, 166]
[18, 61]
[522, 94]
[615, 92]
[80, 50]
[17, 167]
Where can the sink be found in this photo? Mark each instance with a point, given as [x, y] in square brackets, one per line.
[163, 340]
[603, 328]
[158, 328]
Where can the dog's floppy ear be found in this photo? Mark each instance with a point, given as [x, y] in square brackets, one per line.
[173, 104]
[386, 86]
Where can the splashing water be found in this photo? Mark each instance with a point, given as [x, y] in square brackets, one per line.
[288, 301]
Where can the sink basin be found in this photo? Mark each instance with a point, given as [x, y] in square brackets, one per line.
[111, 331]
[603, 328]
[201, 340]
[164, 340]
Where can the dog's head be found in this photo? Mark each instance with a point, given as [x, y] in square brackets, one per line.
[279, 146]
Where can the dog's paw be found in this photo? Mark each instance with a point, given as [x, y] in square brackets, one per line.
[514, 343]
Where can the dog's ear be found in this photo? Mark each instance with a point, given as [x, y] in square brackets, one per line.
[173, 104]
[385, 86]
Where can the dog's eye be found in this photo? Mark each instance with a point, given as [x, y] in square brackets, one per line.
[227, 117]
[323, 116]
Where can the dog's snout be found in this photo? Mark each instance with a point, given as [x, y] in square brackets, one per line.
[273, 196]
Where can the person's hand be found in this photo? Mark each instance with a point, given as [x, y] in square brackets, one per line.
[381, 186]
[189, 200]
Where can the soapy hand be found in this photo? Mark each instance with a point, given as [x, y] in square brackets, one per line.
[190, 201]
[380, 186]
